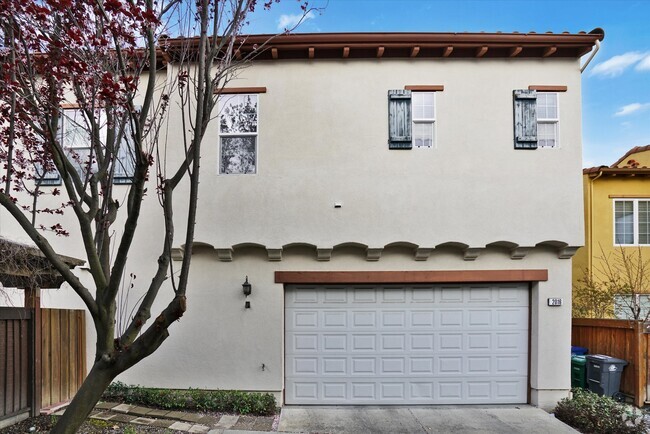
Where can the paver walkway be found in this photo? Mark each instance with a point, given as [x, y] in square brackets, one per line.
[175, 420]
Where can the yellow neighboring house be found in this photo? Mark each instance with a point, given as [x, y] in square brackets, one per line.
[617, 210]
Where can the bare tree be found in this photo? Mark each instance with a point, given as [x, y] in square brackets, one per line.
[86, 87]
[617, 286]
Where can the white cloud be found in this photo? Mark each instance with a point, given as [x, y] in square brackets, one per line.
[618, 64]
[644, 64]
[631, 108]
[289, 21]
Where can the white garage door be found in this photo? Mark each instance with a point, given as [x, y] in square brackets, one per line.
[425, 344]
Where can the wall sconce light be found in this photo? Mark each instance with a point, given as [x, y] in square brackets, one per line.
[247, 288]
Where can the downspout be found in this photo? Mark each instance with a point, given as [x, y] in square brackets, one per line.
[591, 57]
[591, 224]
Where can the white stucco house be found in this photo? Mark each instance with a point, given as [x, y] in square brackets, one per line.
[403, 205]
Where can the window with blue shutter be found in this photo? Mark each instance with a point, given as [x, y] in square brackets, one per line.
[525, 114]
[399, 119]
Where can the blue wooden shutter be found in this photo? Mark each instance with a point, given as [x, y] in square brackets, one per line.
[399, 119]
[525, 112]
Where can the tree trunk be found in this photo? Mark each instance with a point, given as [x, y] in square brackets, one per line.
[84, 401]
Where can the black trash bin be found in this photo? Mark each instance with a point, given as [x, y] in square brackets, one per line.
[604, 374]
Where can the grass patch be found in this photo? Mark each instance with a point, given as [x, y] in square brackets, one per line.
[590, 413]
[226, 401]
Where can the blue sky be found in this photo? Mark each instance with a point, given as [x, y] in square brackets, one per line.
[615, 87]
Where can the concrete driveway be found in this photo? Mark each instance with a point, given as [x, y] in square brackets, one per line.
[438, 419]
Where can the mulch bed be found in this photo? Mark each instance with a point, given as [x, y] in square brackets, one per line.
[43, 424]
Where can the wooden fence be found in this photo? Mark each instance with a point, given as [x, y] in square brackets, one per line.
[63, 354]
[15, 368]
[622, 339]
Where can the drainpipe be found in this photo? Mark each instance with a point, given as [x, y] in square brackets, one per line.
[590, 237]
[591, 57]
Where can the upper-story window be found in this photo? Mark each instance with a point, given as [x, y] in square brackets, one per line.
[548, 120]
[632, 222]
[424, 119]
[238, 134]
[537, 116]
[74, 137]
[412, 117]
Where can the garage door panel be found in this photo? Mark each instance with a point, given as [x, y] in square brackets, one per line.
[442, 344]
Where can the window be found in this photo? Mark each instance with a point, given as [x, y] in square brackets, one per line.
[412, 117]
[75, 140]
[632, 222]
[536, 117]
[423, 119]
[238, 134]
[547, 120]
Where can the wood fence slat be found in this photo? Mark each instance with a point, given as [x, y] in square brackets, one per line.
[55, 333]
[24, 363]
[9, 385]
[17, 364]
[64, 366]
[46, 358]
[3, 367]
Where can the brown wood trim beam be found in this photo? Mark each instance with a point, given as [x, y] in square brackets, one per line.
[448, 51]
[238, 54]
[549, 51]
[425, 87]
[414, 51]
[385, 277]
[515, 51]
[629, 196]
[70, 106]
[547, 88]
[235, 90]
[480, 52]
[274, 53]
[311, 52]
[380, 52]
[346, 52]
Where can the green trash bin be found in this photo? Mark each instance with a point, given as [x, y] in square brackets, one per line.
[579, 372]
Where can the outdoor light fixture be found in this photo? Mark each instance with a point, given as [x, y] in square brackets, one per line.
[247, 288]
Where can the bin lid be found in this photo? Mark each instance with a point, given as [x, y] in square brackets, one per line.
[602, 358]
[579, 360]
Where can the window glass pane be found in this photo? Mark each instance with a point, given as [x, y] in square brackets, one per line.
[546, 134]
[423, 105]
[238, 114]
[238, 155]
[644, 222]
[624, 222]
[423, 134]
[74, 133]
[547, 105]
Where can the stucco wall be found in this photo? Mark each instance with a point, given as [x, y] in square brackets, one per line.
[220, 344]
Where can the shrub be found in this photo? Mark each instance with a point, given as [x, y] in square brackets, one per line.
[591, 413]
[227, 401]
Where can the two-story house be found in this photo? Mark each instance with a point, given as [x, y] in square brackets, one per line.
[402, 209]
[617, 218]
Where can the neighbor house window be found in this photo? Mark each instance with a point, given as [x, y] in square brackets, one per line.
[238, 134]
[424, 119]
[632, 222]
[547, 120]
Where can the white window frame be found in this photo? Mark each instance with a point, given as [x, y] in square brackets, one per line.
[635, 220]
[549, 121]
[255, 134]
[423, 121]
